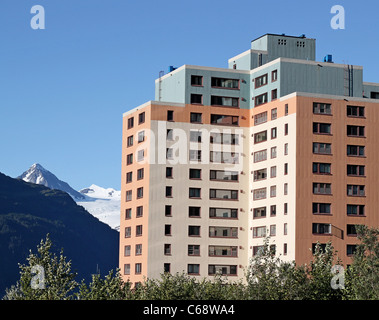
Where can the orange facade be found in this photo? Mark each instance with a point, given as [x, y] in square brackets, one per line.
[300, 106]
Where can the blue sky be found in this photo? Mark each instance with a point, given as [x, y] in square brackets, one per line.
[63, 90]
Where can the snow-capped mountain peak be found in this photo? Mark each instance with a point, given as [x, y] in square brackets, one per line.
[39, 175]
[95, 191]
[103, 203]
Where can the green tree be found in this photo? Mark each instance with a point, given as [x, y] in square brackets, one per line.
[270, 278]
[320, 274]
[111, 287]
[45, 277]
[362, 276]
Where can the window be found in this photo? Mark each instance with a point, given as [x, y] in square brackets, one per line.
[225, 83]
[224, 138]
[168, 191]
[322, 128]
[139, 192]
[321, 228]
[168, 211]
[274, 94]
[127, 268]
[260, 155]
[138, 249]
[257, 250]
[351, 230]
[193, 250]
[129, 195]
[355, 170]
[273, 172]
[260, 137]
[322, 148]
[167, 229]
[274, 133]
[355, 151]
[221, 194]
[223, 213]
[195, 155]
[224, 101]
[274, 75]
[355, 210]
[321, 168]
[222, 270]
[195, 117]
[322, 188]
[272, 230]
[128, 213]
[195, 173]
[286, 129]
[140, 155]
[273, 210]
[259, 194]
[139, 211]
[259, 212]
[194, 212]
[356, 131]
[285, 248]
[321, 208]
[195, 136]
[139, 230]
[196, 80]
[286, 149]
[166, 267]
[273, 152]
[130, 123]
[170, 115]
[194, 231]
[138, 268]
[141, 118]
[273, 191]
[129, 177]
[322, 108]
[196, 98]
[170, 134]
[141, 136]
[285, 229]
[129, 141]
[129, 159]
[169, 172]
[193, 269]
[350, 249]
[222, 251]
[224, 119]
[260, 118]
[285, 208]
[286, 168]
[127, 251]
[354, 111]
[285, 188]
[286, 109]
[222, 175]
[274, 114]
[128, 232]
[260, 81]
[260, 174]
[261, 99]
[224, 232]
[194, 193]
[356, 190]
[224, 157]
[169, 154]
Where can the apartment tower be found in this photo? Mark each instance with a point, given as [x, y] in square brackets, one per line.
[276, 145]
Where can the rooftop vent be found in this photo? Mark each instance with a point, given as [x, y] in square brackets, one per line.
[328, 58]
